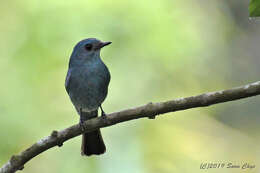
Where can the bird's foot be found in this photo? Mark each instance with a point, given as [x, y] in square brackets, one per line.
[103, 114]
[105, 118]
[81, 125]
[81, 121]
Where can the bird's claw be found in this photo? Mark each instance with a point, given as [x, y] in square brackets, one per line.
[81, 124]
[105, 118]
[103, 114]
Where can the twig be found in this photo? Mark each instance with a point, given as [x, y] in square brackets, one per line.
[150, 110]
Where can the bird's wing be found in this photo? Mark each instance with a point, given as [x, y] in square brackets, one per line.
[67, 81]
[107, 79]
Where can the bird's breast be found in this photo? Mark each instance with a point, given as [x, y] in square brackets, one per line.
[89, 85]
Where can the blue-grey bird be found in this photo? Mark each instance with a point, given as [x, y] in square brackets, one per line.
[87, 84]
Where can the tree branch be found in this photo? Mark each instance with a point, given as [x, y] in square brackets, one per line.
[149, 110]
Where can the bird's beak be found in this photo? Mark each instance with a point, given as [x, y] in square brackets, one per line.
[102, 44]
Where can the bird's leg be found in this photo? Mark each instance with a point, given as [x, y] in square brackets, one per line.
[81, 120]
[103, 114]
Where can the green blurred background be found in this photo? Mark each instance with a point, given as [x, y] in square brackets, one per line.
[161, 50]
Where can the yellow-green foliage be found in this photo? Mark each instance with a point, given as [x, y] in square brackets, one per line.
[161, 50]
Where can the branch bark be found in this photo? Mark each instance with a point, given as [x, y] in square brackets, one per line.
[150, 110]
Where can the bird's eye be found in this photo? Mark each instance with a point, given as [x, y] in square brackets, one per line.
[88, 47]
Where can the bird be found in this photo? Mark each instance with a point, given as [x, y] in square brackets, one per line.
[87, 84]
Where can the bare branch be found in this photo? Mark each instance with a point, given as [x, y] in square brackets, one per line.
[150, 110]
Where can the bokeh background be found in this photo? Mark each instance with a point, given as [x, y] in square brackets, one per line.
[161, 50]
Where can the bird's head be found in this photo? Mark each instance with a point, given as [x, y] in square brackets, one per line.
[88, 49]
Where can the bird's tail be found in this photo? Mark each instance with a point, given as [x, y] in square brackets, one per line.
[92, 142]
